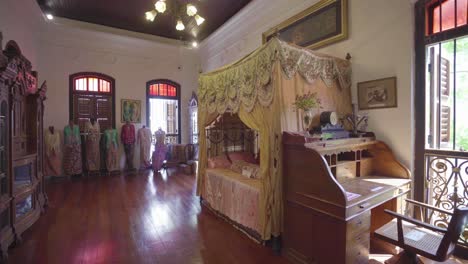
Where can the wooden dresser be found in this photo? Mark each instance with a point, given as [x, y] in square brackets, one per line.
[335, 193]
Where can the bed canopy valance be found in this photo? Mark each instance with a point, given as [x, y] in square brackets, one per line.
[260, 89]
[248, 81]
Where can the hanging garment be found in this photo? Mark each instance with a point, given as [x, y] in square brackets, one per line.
[144, 139]
[53, 163]
[93, 154]
[160, 150]
[72, 163]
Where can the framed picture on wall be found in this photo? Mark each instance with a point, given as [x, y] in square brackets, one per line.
[131, 110]
[381, 93]
[322, 24]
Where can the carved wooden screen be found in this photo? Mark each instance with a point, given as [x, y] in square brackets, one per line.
[92, 96]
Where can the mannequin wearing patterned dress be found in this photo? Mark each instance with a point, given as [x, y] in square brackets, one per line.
[93, 154]
[53, 162]
[144, 139]
[112, 150]
[72, 164]
[160, 150]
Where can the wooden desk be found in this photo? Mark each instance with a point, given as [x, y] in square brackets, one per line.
[335, 193]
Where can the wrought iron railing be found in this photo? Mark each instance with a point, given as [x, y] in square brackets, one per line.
[446, 176]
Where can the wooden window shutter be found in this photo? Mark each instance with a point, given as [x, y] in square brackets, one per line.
[104, 112]
[445, 105]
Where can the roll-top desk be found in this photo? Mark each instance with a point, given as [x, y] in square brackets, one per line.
[334, 196]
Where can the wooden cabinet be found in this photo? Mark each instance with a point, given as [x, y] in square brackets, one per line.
[22, 194]
[334, 195]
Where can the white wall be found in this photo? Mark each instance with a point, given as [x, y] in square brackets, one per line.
[380, 42]
[20, 21]
[68, 47]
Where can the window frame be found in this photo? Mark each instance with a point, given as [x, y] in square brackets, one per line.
[421, 40]
[177, 97]
[97, 75]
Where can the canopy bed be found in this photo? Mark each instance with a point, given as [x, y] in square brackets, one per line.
[260, 89]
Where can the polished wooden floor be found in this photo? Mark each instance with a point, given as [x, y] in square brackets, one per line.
[141, 218]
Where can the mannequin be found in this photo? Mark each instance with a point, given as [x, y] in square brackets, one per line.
[53, 163]
[160, 150]
[128, 140]
[72, 152]
[93, 155]
[144, 139]
[112, 150]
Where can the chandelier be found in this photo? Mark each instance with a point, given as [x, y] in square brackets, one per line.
[178, 10]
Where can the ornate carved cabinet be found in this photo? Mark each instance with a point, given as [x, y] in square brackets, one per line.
[22, 194]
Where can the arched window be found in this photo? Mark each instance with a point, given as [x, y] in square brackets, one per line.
[162, 108]
[92, 95]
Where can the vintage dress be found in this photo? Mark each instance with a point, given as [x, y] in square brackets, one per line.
[144, 139]
[112, 150]
[160, 150]
[72, 163]
[53, 162]
[128, 139]
[93, 154]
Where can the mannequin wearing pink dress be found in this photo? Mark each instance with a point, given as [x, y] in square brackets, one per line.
[160, 150]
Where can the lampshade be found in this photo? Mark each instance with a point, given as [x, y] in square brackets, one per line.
[191, 10]
[150, 15]
[199, 19]
[180, 26]
[160, 6]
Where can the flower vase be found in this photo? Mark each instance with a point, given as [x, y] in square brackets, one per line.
[307, 116]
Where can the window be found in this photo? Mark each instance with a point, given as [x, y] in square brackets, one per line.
[162, 108]
[441, 99]
[193, 115]
[446, 14]
[92, 95]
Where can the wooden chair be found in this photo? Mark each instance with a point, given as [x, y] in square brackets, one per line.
[419, 238]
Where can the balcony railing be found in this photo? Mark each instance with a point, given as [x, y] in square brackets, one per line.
[446, 176]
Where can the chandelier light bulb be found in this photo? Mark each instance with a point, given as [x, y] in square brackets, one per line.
[180, 26]
[150, 15]
[50, 16]
[191, 10]
[199, 20]
[194, 44]
[160, 6]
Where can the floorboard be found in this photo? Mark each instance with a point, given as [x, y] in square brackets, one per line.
[139, 218]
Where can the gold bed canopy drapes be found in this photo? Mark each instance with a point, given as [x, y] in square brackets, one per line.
[259, 88]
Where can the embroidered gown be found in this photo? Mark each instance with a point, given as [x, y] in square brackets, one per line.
[93, 154]
[53, 162]
[112, 149]
[72, 163]
[160, 150]
[144, 139]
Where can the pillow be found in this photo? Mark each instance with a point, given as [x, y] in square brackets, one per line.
[242, 155]
[219, 162]
[248, 170]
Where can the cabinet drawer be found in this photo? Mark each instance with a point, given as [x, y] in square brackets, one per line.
[357, 225]
[357, 249]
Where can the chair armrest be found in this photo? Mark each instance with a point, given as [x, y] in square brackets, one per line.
[428, 206]
[416, 222]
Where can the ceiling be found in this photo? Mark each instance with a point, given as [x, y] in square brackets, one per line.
[130, 15]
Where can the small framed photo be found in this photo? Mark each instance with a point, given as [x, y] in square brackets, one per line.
[381, 93]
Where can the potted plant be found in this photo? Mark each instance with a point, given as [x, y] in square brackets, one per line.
[307, 102]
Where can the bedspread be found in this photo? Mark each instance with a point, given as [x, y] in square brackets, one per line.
[234, 195]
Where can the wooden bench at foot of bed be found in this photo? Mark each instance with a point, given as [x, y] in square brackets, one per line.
[235, 197]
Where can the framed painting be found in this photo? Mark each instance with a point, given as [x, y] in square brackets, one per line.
[319, 25]
[131, 110]
[381, 93]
